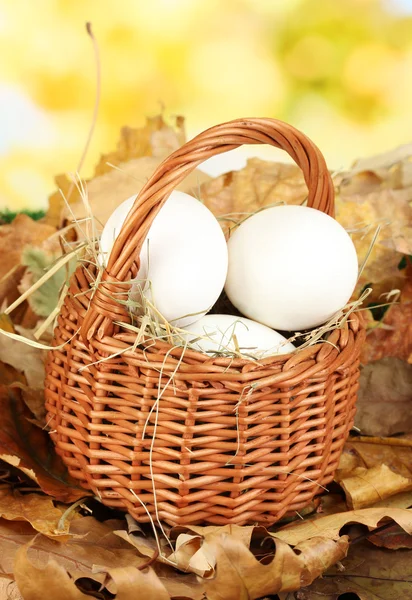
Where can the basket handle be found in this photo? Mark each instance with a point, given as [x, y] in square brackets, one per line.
[123, 262]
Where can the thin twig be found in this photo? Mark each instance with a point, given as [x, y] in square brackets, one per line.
[96, 106]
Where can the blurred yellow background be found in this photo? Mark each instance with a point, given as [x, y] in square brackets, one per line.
[338, 69]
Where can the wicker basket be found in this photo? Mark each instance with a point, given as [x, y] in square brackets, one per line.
[176, 434]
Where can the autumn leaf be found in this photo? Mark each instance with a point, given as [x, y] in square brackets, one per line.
[384, 384]
[44, 300]
[367, 486]
[328, 527]
[367, 573]
[32, 365]
[259, 184]
[377, 473]
[376, 192]
[240, 576]
[25, 446]
[392, 336]
[93, 552]
[38, 510]
[14, 238]
[393, 538]
[9, 590]
[34, 400]
[9, 374]
[52, 581]
[396, 453]
[155, 138]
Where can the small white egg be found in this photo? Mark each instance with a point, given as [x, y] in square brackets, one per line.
[290, 267]
[183, 260]
[215, 334]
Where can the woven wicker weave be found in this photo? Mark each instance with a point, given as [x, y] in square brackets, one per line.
[178, 434]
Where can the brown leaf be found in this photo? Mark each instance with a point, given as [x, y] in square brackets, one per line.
[13, 535]
[372, 466]
[24, 358]
[192, 542]
[385, 398]
[367, 486]
[30, 449]
[362, 214]
[130, 581]
[90, 551]
[94, 552]
[377, 451]
[257, 185]
[155, 138]
[240, 576]
[392, 336]
[368, 573]
[392, 538]
[9, 375]
[9, 590]
[37, 509]
[52, 581]
[14, 237]
[328, 527]
[34, 400]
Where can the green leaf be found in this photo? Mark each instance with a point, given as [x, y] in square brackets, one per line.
[44, 300]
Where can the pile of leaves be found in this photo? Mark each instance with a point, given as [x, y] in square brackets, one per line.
[353, 542]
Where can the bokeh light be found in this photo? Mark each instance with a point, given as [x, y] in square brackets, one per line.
[338, 69]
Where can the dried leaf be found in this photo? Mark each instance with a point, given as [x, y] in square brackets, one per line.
[362, 214]
[190, 556]
[367, 573]
[93, 552]
[90, 551]
[393, 335]
[392, 538]
[52, 581]
[385, 383]
[14, 237]
[13, 535]
[9, 590]
[24, 358]
[192, 545]
[257, 185]
[368, 486]
[328, 527]
[155, 138]
[25, 446]
[44, 300]
[10, 375]
[34, 400]
[130, 580]
[240, 576]
[37, 509]
[378, 451]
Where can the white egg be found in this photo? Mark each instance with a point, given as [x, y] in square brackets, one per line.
[291, 267]
[226, 333]
[183, 260]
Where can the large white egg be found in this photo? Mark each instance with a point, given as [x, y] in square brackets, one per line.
[291, 267]
[183, 260]
[214, 334]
